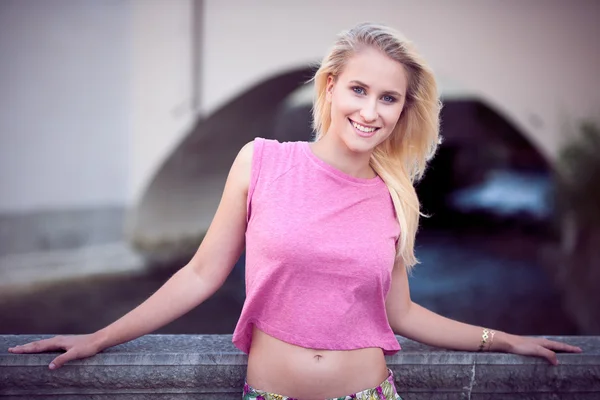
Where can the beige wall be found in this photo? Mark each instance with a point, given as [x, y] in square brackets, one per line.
[535, 61]
[94, 96]
[64, 109]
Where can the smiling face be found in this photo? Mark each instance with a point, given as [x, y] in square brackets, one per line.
[366, 99]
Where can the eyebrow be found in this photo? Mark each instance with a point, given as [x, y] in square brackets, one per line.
[388, 92]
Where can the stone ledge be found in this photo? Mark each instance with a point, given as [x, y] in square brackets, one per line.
[210, 367]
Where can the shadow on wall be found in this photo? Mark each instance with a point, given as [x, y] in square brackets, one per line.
[181, 199]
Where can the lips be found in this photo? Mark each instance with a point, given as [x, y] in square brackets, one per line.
[363, 130]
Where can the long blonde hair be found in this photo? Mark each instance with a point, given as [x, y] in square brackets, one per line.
[402, 158]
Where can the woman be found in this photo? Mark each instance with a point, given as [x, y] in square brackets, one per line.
[329, 229]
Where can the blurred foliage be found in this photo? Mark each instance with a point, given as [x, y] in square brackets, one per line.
[579, 181]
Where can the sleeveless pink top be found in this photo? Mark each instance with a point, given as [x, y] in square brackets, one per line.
[320, 247]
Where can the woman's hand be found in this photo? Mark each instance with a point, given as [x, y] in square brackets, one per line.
[535, 346]
[76, 347]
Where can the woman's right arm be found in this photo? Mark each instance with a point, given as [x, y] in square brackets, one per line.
[190, 286]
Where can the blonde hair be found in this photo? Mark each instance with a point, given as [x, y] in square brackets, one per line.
[402, 158]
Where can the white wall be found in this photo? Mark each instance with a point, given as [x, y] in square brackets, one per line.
[95, 94]
[64, 107]
[535, 61]
[163, 87]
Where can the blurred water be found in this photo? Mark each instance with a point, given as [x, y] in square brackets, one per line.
[486, 281]
[469, 278]
[507, 193]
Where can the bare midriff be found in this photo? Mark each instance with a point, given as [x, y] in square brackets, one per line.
[278, 367]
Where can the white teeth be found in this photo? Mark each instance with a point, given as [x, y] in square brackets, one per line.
[363, 128]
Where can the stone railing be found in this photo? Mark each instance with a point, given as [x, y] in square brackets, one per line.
[209, 367]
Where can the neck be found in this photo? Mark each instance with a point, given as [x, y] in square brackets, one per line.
[334, 152]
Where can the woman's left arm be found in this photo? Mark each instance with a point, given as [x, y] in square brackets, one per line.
[417, 323]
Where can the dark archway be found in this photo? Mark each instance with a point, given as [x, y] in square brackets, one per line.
[486, 174]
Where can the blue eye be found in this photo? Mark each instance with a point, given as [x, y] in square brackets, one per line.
[358, 90]
[389, 99]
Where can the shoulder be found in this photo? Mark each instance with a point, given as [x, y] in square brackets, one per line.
[269, 151]
[253, 154]
[245, 154]
[239, 174]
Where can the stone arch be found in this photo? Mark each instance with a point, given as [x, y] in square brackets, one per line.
[179, 203]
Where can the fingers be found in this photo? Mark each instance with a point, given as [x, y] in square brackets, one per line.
[547, 354]
[38, 346]
[62, 359]
[558, 346]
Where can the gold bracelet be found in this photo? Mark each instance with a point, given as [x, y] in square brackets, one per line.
[484, 338]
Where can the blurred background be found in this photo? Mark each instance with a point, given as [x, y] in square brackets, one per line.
[119, 120]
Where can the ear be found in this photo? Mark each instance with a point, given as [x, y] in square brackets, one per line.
[329, 88]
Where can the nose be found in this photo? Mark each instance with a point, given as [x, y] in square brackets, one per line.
[369, 111]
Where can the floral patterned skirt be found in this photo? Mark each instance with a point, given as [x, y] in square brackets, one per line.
[385, 391]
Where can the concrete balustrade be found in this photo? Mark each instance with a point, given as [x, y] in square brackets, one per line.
[210, 367]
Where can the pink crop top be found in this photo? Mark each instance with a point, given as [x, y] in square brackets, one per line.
[320, 248]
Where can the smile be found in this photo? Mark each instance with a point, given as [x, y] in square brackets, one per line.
[367, 130]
